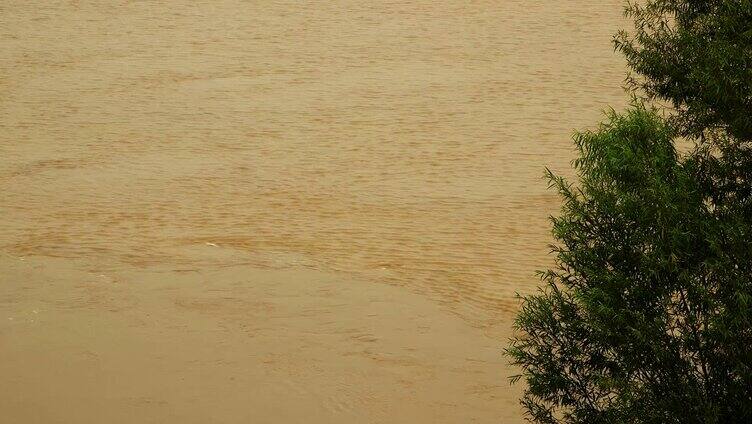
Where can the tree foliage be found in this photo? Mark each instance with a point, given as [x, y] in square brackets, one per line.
[696, 55]
[647, 315]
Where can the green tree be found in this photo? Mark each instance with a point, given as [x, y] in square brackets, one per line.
[647, 315]
[697, 56]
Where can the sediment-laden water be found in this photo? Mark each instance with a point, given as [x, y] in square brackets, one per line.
[394, 143]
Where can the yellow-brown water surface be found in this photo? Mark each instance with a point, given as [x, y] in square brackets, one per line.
[396, 143]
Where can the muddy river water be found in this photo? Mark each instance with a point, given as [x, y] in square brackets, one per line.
[281, 211]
